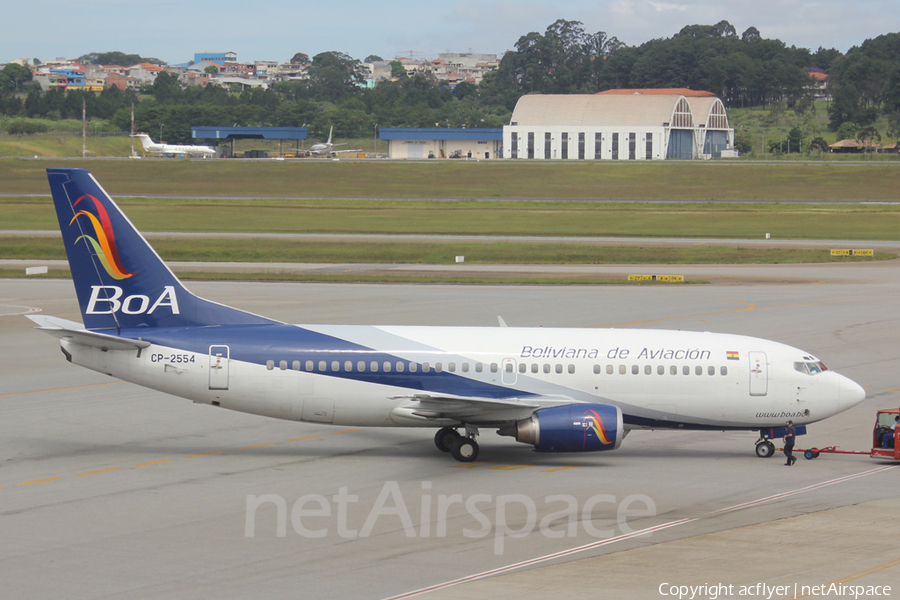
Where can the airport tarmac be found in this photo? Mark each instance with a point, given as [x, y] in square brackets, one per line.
[108, 490]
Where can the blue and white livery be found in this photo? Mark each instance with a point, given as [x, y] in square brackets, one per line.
[560, 390]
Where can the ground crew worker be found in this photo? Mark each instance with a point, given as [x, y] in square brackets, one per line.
[789, 436]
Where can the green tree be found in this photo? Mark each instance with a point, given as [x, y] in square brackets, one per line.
[334, 75]
[13, 76]
[818, 144]
[397, 69]
[869, 135]
[847, 131]
[165, 87]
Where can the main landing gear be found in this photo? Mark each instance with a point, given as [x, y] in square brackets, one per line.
[463, 448]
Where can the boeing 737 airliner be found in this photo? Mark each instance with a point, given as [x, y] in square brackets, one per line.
[560, 390]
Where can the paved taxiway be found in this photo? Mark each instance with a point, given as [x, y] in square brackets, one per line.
[108, 490]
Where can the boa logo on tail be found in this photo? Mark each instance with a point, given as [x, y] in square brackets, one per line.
[104, 244]
[596, 425]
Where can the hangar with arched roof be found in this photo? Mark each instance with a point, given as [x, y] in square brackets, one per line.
[635, 124]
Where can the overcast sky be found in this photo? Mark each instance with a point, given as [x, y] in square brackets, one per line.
[275, 29]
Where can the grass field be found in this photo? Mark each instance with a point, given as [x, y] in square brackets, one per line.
[613, 180]
[564, 219]
[268, 250]
[461, 198]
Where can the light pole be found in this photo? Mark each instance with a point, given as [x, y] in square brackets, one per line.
[160, 132]
[375, 140]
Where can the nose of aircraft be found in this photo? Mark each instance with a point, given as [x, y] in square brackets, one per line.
[851, 393]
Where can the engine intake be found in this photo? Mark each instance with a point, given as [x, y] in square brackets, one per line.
[570, 428]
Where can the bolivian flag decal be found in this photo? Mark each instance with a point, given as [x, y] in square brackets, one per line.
[733, 355]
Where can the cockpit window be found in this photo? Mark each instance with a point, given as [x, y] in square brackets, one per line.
[811, 368]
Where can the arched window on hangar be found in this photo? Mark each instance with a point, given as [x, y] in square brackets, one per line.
[681, 134]
[716, 138]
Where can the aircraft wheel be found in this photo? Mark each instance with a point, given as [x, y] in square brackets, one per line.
[464, 449]
[444, 438]
[765, 449]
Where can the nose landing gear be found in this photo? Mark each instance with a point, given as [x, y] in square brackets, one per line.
[765, 449]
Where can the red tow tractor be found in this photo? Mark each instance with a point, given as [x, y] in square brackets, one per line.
[884, 425]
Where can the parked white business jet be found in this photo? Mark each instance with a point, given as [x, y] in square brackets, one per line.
[174, 149]
[560, 390]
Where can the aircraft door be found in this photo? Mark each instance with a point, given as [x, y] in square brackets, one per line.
[759, 374]
[218, 367]
[508, 375]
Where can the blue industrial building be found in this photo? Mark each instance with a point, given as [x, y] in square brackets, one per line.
[248, 133]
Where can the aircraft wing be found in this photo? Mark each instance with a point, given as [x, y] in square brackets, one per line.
[70, 330]
[447, 406]
[349, 150]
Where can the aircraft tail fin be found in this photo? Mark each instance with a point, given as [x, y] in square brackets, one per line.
[330, 129]
[120, 281]
[146, 142]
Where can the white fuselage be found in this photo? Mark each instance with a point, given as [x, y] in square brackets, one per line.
[658, 378]
[174, 149]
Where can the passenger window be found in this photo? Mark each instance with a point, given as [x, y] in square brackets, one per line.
[426, 367]
[309, 365]
[534, 368]
[361, 366]
[387, 366]
[673, 370]
[465, 367]
[295, 365]
[559, 368]
[479, 367]
[438, 367]
[635, 369]
[283, 365]
[547, 367]
[686, 370]
[660, 370]
[270, 364]
[596, 369]
[610, 369]
[622, 369]
[335, 365]
[648, 370]
[373, 366]
[451, 367]
[413, 367]
[723, 370]
[698, 370]
[494, 368]
[348, 365]
[401, 367]
[711, 370]
[523, 367]
[323, 366]
[571, 369]
[508, 368]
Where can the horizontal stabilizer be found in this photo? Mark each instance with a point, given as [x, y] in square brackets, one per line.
[70, 330]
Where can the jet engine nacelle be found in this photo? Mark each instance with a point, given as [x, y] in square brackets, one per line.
[570, 428]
